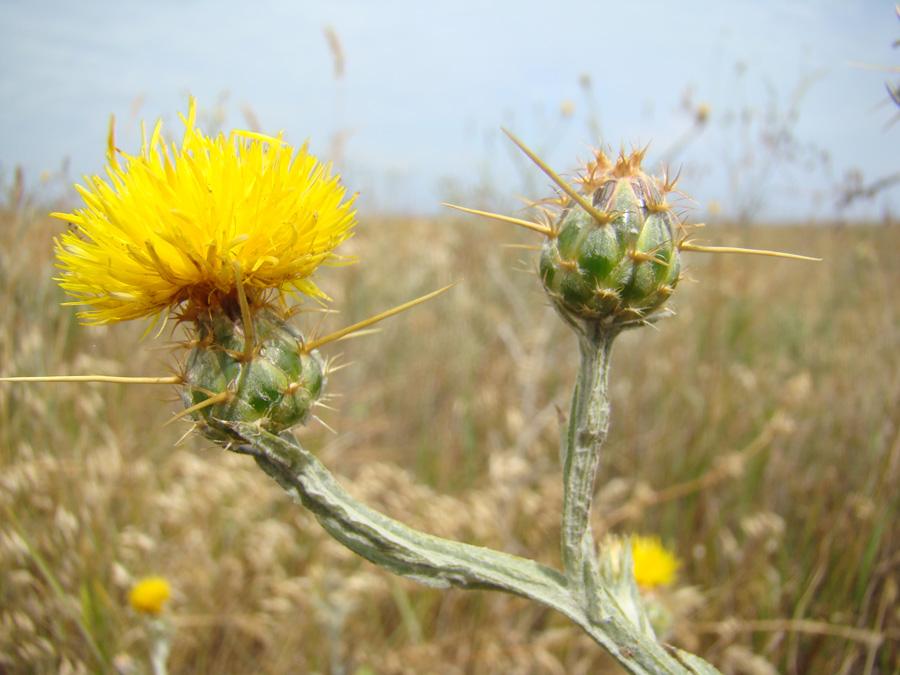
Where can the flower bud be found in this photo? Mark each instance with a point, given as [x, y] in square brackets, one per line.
[275, 384]
[618, 263]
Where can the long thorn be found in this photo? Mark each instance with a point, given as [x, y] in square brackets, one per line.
[600, 217]
[97, 378]
[750, 251]
[212, 400]
[333, 369]
[249, 332]
[315, 344]
[537, 227]
[320, 421]
[361, 333]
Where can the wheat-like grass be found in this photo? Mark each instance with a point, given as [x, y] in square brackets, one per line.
[793, 543]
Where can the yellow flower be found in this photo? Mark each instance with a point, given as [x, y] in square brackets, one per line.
[176, 227]
[654, 564]
[149, 595]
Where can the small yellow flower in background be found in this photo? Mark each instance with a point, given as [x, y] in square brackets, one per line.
[654, 564]
[149, 595]
[176, 227]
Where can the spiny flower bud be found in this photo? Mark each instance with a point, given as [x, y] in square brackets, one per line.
[617, 262]
[275, 383]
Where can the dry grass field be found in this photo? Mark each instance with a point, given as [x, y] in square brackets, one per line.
[757, 432]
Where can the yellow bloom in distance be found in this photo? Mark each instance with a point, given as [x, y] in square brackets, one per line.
[149, 595]
[177, 226]
[654, 564]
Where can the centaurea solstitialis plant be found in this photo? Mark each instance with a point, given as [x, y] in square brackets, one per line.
[217, 233]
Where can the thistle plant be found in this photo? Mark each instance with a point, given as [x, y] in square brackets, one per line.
[220, 233]
[148, 597]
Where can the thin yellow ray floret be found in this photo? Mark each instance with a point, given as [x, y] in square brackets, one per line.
[166, 227]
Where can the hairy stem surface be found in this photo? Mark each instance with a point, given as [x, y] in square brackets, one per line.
[588, 426]
[442, 563]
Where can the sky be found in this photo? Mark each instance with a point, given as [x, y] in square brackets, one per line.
[410, 106]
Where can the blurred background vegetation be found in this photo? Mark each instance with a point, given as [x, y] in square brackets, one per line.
[757, 432]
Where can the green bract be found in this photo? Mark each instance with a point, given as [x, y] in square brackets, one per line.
[276, 387]
[620, 263]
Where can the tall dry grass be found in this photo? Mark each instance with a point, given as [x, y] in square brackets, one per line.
[757, 432]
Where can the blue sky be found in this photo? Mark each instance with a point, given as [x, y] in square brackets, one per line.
[426, 87]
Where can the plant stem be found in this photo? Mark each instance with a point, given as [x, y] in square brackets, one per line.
[442, 563]
[159, 646]
[588, 426]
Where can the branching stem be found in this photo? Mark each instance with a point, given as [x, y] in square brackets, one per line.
[442, 563]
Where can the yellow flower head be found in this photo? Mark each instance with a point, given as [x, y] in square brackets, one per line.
[178, 226]
[149, 595]
[654, 564]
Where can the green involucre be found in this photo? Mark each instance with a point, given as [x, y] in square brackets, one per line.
[276, 388]
[620, 270]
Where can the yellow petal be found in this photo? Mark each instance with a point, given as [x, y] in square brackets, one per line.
[164, 228]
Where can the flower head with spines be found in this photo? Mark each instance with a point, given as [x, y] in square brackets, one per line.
[217, 232]
[611, 255]
[613, 259]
